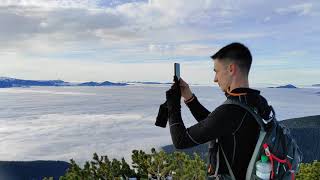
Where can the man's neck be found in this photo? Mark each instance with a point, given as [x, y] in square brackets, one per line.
[239, 84]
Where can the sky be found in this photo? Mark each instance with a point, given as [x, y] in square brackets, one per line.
[139, 40]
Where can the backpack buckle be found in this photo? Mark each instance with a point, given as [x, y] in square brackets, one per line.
[270, 117]
[266, 149]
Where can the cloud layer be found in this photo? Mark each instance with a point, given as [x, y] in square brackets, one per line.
[54, 123]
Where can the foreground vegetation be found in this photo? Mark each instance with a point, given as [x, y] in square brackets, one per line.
[157, 165]
[309, 171]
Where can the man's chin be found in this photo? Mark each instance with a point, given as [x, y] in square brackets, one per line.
[223, 90]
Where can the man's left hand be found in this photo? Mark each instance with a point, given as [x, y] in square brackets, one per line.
[173, 96]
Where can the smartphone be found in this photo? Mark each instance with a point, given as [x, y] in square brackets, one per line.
[177, 70]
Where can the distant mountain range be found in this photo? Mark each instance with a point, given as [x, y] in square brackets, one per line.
[11, 82]
[106, 83]
[147, 82]
[290, 86]
[6, 82]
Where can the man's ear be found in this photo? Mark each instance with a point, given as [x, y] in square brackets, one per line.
[232, 68]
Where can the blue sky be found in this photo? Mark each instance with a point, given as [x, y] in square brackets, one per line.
[97, 40]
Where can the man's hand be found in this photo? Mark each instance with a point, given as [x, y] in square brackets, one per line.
[185, 90]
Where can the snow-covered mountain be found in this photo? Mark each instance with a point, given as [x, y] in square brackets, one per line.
[11, 82]
[6, 82]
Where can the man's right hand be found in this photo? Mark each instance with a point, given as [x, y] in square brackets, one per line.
[185, 90]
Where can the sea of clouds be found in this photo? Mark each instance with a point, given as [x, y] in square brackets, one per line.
[60, 123]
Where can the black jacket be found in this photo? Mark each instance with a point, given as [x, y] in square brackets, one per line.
[222, 123]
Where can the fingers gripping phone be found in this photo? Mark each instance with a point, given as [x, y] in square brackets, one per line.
[162, 117]
[176, 72]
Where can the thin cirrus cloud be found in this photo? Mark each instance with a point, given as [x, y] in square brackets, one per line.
[50, 3]
[102, 32]
[300, 9]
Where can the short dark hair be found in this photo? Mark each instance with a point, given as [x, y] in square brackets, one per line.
[237, 53]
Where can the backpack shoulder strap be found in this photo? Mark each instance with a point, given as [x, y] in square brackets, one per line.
[250, 110]
[261, 138]
[254, 156]
[228, 165]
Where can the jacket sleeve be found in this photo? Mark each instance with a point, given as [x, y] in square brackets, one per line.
[216, 124]
[198, 111]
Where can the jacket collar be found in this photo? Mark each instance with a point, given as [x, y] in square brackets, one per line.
[242, 91]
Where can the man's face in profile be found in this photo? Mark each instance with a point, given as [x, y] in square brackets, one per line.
[222, 75]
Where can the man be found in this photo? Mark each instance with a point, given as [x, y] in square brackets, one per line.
[235, 128]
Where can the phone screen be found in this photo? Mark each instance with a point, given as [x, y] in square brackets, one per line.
[177, 70]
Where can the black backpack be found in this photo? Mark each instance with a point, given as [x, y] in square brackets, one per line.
[275, 141]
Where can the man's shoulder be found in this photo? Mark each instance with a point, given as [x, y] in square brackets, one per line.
[229, 109]
[233, 110]
[233, 115]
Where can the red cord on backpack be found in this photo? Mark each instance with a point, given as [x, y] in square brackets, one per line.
[273, 157]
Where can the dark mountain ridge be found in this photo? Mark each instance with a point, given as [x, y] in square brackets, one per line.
[289, 86]
[305, 130]
[32, 170]
[11, 82]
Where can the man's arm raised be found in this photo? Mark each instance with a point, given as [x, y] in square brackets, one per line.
[198, 111]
